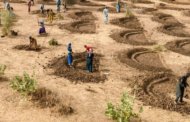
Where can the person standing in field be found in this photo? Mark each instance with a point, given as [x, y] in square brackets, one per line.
[58, 5]
[42, 8]
[50, 14]
[105, 12]
[90, 56]
[118, 7]
[29, 5]
[69, 56]
[7, 6]
[181, 87]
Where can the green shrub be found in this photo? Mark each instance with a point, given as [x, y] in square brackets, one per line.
[24, 86]
[2, 70]
[157, 47]
[53, 42]
[59, 16]
[123, 112]
[6, 21]
[128, 13]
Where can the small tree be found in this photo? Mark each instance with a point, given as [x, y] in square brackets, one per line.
[26, 85]
[59, 16]
[53, 41]
[123, 112]
[2, 70]
[128, 13]
[6, 21]
[157, 47]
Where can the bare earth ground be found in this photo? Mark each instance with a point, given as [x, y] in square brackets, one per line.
[88, 99]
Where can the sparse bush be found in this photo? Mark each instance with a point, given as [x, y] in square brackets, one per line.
[123, 112]
[26, 85]
[128, 13]
[157, 47]
[2, 70]
[59, 16]
[6, 21]
[53, 42]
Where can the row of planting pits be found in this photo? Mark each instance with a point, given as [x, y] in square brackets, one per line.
[152, 90]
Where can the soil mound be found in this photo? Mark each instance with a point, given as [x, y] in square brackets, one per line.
[38, 12]
[45, 98]
[127, 22]
[184, 2]
[179, 46]
[111, 9]
[170, 26]
[137, 58]
[13, 1]
[25, 47]
[47, 2]
[186, 12]
[88, 3]
[170, 7]
[84, 15]
[105, 0]
[78, 72]
[133, 37]
[145, 1]
[80, 27]
[156, 91]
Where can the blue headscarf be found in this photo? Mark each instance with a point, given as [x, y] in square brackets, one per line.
[69, 47]
[42, 6]
[58, 2]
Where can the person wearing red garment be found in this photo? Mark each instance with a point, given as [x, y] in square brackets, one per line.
[88, 48]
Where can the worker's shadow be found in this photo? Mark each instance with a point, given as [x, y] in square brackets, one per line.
[43, 35]
[26, 48]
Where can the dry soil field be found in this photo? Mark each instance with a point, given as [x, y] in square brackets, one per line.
[122, 48]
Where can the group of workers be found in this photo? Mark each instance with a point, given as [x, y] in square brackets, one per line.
[105, 11]
[181, 85]
[89, 56]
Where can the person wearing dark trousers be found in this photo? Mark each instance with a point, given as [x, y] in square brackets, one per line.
[90, 56]
[181, 87]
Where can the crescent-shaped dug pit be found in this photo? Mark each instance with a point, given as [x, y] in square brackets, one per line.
[156, 91]
[78, 72]
[179, 46]
[143, 59]
[134, 37]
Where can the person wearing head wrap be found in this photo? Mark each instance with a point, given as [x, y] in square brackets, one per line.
[58, 5]
[50, 14]
[90, 56]
[118, 7]
[42, 8]
[7, 6]
[69, 56]
[181, 87]
[33, 43]
[105, 12]
[42, 29]
[29, 5]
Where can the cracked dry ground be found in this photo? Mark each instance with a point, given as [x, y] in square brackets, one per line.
[122, 48]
